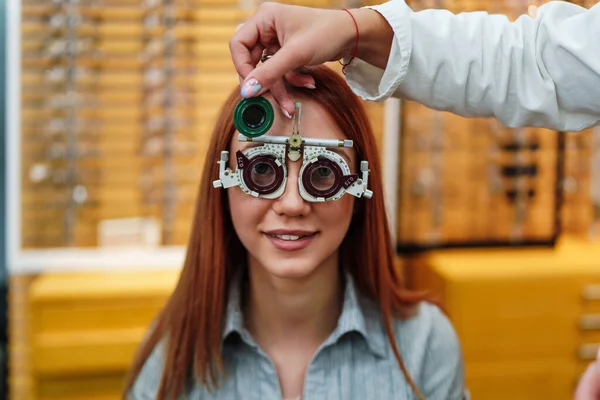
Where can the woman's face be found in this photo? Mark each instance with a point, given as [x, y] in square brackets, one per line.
[268, 228]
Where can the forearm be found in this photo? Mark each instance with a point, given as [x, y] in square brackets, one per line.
[375, 37]
[533, 72]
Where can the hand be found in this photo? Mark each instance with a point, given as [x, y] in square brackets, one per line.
[589, 385]
[301, 36]
[295, 36]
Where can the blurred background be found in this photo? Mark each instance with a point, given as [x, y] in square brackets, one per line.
[108, 106]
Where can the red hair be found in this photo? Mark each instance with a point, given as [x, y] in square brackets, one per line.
[193, 317]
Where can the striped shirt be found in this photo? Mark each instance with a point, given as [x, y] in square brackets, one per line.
[356, 361]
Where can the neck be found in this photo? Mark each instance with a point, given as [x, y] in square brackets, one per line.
[281, 310]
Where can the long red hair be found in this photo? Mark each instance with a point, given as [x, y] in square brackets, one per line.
[192, 319]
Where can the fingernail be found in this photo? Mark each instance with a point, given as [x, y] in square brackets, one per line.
[310, 86]
[284, 111]
[250, 88]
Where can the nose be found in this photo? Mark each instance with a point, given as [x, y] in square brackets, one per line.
[291, 203]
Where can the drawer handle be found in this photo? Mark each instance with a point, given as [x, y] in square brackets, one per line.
[588, 351]
[590, 322]
[591, 292]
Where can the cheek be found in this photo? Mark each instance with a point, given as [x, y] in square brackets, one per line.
[246, 212]
[336, 214]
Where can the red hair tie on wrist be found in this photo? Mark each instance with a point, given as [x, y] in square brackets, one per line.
[355, 46]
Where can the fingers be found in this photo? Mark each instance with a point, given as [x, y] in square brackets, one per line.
[281, 63]
[257, 31]
[272, 48]
[260, 33]
[282, 97]
[255, 56]
[242, 47]
[297, 79]
[253, 87]
[270, 74]
[589, 385]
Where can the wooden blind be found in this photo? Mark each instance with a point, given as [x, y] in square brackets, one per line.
[581, 185]
[580, 213]
[474, 181]
[145, 83]
[118, 102]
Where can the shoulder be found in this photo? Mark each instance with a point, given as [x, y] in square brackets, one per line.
[432, 352]
[430, 326]
[147, 382]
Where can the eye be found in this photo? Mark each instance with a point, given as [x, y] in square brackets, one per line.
[322, 178]
[263, 174]
[262, 168]
[324, 172]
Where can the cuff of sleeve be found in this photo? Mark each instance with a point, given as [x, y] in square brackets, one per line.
[371, 83]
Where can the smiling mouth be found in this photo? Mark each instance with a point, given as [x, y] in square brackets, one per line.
[290, 238]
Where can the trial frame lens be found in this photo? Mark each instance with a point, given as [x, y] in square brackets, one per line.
[253, 117]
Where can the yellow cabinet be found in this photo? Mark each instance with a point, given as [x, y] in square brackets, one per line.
[528, 319]
[85, 328]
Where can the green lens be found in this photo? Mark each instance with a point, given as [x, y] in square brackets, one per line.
[253, 117]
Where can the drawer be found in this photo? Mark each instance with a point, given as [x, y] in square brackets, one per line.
[90, 324]
[57, 317]
[550, 379]
[513, 320]
[587, 352]
[590, 295]
[92, 387]
[97, 302]
[589, 327]
[83, 353]
[101, 287]
[589, 322]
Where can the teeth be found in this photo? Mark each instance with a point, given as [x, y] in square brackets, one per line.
[288, 237]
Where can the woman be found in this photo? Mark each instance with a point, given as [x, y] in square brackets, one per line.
[259, 315]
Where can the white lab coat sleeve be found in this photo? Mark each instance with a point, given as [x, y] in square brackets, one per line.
[542, 71]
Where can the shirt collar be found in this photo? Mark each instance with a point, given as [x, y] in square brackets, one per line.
[234, 319]
[359, 314]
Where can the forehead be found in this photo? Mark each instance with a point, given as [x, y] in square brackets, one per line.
[315, 122]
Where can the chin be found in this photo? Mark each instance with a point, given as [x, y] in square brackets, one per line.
[292, 260]
[289, 268]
